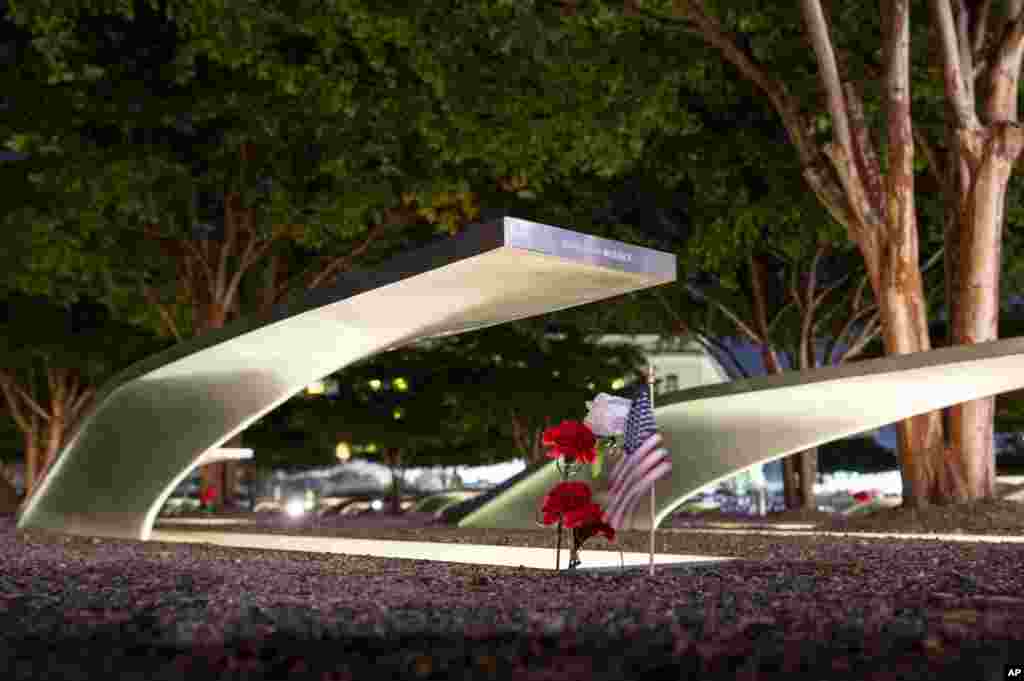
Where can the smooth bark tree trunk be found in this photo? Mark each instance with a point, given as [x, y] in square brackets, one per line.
[770, 359]
[790, 482]
[56, 432]
[218, 476]
[808, 467]
[920, 439]
[973, 278]
[393, 458]
[32, 463]
[9, 499]
[980, 46]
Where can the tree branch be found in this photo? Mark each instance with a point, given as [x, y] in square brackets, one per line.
[225, 247]
[963, 32]
[812, 284]
[342, 263]
[32, 404]
[902, 224]
[957, 93]
[933, 260]
[869, 169]
[980, 29]
[79, 403]
[253, 252]
[1004, 73]
[794, 290]
[869, 332]
[817, 29]
[714, 346]
[7, 386]
[733, 317]
[165, 314]
[711, 31]
[201, 258]
[815, 168]
[1013, 9]
[826, 292]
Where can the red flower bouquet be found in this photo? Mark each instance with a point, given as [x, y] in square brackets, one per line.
[569, 502]
[208, 496]
[571, 439]
[564, 498]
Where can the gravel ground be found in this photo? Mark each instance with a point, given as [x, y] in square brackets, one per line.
[824, 607]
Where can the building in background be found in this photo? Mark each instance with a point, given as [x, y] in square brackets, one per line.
[678, 362]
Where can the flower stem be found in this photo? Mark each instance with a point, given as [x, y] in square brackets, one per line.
[558, 547]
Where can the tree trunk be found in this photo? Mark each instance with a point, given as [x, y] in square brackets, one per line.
[905, 330]
[971, 455]
[9, 499]
[808, 465]
[217, 476]
[791, 482]
[55, 432]
[32, 462]
[529, 441]
[770, 359]
[393, 458]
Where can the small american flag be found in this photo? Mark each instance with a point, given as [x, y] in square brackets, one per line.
[645, 461]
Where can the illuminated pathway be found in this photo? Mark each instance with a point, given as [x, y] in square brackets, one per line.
[477, 554]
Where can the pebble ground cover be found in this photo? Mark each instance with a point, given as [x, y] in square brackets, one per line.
[824, 607]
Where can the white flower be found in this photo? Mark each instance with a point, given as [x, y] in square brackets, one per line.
[607, 414]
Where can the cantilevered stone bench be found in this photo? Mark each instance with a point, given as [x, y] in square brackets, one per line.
[156, 420]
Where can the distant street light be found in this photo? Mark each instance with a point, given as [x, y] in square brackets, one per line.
[343, 451]
[295, 508]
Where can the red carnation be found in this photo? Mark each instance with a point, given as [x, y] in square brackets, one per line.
[208, 495]
[590, 522]
[571, 439]
[565, 497]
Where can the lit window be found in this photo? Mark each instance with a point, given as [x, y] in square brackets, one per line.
[375, 384]
[618, 384]
[398, 413]
[400, 384]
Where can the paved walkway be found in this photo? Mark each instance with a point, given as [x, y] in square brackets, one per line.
[767, 529]
[478, 554]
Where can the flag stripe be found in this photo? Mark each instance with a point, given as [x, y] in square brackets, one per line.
[639, 457]
[629, 500]
[639, 469]
[654, 465]
[622, 467]
[644, 463]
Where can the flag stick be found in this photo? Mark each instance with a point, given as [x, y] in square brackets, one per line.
[650, 388]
